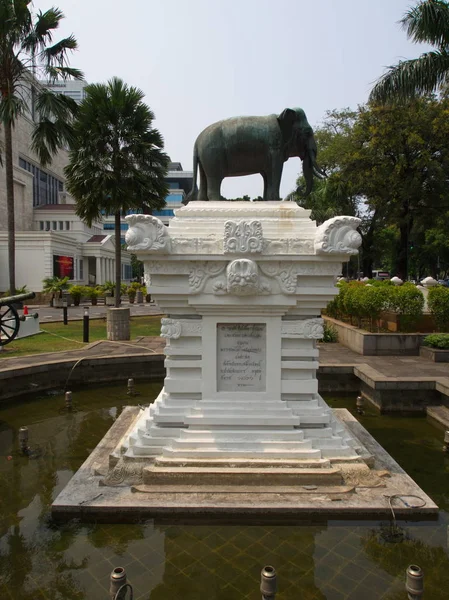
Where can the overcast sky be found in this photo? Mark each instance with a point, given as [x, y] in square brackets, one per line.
[199, 61]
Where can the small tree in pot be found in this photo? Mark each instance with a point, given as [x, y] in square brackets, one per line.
[55, 286]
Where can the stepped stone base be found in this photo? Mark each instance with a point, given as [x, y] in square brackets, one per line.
[253, 488]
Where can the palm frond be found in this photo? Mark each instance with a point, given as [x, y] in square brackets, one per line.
[411, 78]
[428, 22]
[54, 73]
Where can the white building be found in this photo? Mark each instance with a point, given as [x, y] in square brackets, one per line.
[72, 88]
[50, 238]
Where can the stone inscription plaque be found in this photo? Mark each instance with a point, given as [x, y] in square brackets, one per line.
[241, 357]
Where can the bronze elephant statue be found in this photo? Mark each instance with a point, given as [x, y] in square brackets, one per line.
[248, 145]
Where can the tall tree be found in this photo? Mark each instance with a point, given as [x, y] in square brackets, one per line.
[117, 161]
[427, 22]
[27, 53]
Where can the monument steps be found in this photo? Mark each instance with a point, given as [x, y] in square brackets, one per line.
[249, 445]
[240, 476]
[238, 434]
[259, 462]
[211, 452]
[226, 419]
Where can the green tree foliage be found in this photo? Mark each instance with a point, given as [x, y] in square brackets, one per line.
[427, 22]
[389, 166]
[117, 161]
[27, 53]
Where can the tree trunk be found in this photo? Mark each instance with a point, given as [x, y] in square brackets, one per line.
[118, 258]
[402, 252]
[10, 208]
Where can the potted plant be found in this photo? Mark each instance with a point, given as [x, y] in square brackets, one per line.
[55, 286]
[92, 293]
[108, 288]
[132, 290]
[77, 292]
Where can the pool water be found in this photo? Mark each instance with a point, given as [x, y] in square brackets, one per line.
[169, 561]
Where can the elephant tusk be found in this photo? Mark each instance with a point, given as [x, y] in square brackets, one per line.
[318, 172]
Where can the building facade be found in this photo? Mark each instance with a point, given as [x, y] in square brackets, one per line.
[50, 238]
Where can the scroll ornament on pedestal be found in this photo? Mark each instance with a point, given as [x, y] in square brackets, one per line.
[147, 233]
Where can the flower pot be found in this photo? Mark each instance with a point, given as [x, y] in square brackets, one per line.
[94, 301]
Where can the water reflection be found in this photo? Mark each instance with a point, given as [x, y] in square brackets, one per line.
[42, 559]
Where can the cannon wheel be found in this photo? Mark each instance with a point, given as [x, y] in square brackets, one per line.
[9, 324]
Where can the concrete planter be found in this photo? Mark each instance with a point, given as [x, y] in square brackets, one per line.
[435, 354]
[377, 344]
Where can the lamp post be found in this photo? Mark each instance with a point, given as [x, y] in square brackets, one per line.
[86, 325]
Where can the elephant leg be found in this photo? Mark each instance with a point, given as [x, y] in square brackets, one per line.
[213, 188]
[202, 193]
[274, 179]
[265, 189]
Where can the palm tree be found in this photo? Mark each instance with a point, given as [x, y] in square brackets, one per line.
[27, 53]
[116, 161]
[427, 22]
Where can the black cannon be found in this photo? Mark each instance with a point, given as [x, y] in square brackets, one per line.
[9, 317]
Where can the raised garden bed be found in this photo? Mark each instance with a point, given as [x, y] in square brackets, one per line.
[377, 344]
[435, 354]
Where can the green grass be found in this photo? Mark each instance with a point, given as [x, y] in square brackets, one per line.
[73, 332]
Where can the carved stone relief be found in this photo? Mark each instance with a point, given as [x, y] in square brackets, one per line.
[242, 279]
[243, 237]
[308, 329]
[200, 273]
[147, 233]
[170, 329]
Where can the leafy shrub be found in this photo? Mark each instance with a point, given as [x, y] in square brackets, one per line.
[437, 340]
[77, 292]
[408, 302]
[55, 285]
[330, 334]
[438, 302]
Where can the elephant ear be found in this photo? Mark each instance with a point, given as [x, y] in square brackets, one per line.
[286, 120]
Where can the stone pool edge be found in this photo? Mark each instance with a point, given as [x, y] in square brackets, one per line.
[85, 499]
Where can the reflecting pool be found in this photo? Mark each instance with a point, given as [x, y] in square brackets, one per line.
[194, 561]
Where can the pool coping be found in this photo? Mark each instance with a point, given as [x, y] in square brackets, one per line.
[85, 498]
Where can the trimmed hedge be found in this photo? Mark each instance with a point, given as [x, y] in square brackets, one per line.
[360, 302]
[438, 302]
[437, 340]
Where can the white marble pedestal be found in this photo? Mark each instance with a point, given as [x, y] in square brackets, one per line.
[243, 285]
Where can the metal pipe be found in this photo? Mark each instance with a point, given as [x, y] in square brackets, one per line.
[131, 389]
[117, 581]
[86, 325]
[414, 582]
[359, 404]
[23, 440]
[268, 583]
[446, 441]
[68, 401]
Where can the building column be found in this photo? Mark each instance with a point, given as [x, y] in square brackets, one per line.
[111, 273]
[98, 276]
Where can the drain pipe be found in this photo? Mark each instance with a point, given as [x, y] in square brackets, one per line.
[23, 440]
[414, 582]
[268, 583]
[118, 585]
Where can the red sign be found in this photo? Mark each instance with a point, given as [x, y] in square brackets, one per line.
[63, 266]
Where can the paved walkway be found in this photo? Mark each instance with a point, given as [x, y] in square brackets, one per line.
[388, 366]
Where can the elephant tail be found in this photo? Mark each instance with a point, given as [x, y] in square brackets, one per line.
[192, 195]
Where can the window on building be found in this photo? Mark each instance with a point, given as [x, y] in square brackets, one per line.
[127, 272]
[41, 225]
[47, 225]
[61, 225]
[45, 187]
[81, 270]
[53, 225]
[67, 225]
